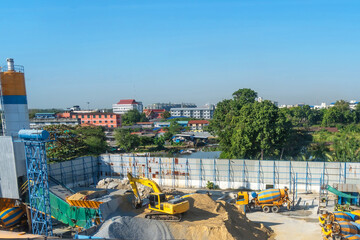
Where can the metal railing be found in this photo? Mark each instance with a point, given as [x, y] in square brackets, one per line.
[17, 68]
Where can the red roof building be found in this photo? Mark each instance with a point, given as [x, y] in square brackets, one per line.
[198, 125]
[127, 101]
[154, 113]
[125, 105]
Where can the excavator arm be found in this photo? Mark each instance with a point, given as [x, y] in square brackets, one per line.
[137, 202]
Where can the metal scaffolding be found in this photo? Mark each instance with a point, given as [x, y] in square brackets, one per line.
[37, 175]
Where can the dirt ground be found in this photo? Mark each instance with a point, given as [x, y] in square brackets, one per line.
[299, 224]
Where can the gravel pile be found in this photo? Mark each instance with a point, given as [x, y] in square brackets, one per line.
[133, 228]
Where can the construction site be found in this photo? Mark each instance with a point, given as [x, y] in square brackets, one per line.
[115, 196]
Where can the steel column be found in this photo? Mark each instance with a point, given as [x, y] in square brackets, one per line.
[187, 173]
[243, 173]
[173, 172]
[274, 170]
[214, 171]
[344, 172]
[38, 186]
[200, 174]
[229, 173]
[259, 173]
[160, 169]
[147, 167]
[290, 175]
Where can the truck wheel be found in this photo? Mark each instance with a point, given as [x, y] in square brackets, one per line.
[266, 209]
[275, 209]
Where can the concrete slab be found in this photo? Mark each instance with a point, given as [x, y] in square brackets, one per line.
[299, 224]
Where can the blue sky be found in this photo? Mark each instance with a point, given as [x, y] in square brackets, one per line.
[183, 51]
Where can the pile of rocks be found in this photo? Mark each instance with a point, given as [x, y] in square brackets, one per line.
[113, 183]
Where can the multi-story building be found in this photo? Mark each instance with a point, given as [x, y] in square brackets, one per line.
[126, 105]
[168, 106]
[109, 120]
[91, 118]
[206, 112]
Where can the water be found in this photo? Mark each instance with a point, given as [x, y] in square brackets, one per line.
[200, 154]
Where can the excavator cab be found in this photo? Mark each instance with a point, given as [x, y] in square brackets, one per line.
[156, 199]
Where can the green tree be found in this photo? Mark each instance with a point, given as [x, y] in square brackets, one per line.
[249, 129]
[126, 140]
[146, 141]
[143, 117]
[159, 141]
[303, 116]
[168, 136]
[166, 114]
[94, 138]
[340, 113]
[133, 116]
[296, 144]
[72, 142]
[333, 116]
[318, 151]
[244, 96]
[357, 113]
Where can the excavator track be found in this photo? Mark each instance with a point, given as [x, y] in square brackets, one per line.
[164, 217]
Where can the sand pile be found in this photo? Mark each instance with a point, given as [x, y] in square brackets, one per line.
[209, 219]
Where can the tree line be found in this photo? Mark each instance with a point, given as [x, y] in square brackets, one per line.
[247, 128]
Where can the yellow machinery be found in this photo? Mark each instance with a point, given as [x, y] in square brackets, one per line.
[271, 199]
[85, 199]
[165, 207]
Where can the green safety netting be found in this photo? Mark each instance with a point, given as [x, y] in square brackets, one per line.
[341, 194]
[74, 216]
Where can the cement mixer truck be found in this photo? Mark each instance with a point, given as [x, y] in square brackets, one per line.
[271, 199]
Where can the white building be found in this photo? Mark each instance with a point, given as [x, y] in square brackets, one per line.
[321, 106]
[206, 112]
[126, 105]
[352, 104]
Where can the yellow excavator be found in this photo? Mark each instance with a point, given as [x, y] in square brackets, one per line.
[163, 207]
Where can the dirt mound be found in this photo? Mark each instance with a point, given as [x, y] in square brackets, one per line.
[209, 219]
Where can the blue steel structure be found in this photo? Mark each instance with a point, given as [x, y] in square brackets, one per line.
[37, 176]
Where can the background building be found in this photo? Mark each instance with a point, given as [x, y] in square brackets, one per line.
[40, 123]
[206, 112]
[154, 113]
[126, 105]
[197, 125]
[92, 118]
[168, 106]
[109, 120]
